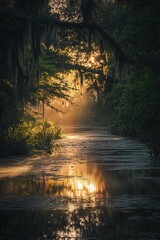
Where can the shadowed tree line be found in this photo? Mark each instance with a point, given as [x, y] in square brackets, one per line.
[124, 31]
[135, 96]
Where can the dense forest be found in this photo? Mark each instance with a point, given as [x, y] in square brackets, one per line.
[110, 46]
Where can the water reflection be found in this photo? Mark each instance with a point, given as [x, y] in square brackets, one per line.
[96, 188]
[78, 184]
[83, 180]
[82, 224]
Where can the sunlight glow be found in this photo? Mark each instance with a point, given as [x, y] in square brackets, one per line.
[83, 182]
[92, 59]
[82, 82]
[80, 185]
[91, 188]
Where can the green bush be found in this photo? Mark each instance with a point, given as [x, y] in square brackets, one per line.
[137, 105]
[46, 133]
[28, 136]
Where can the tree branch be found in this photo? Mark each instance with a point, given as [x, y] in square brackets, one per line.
[91, 26]
[83, 68]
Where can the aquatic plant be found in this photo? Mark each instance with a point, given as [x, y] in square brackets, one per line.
[28, 136]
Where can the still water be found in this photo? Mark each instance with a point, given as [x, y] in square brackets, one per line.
[96, 187]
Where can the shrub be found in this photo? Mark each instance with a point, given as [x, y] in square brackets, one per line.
[28, 136]
[46, 133]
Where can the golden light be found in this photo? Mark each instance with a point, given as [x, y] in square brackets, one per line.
[91, 188]
[83, 100]
[79, 185]
[92, 59]
[82, 182]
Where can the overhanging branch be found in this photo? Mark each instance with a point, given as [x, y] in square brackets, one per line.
[91, 26]
[83, 68]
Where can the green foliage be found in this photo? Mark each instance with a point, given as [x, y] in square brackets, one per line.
[18, 140]
[27, 136]
[136, 98]
[137, 105]
[10, 113]
[45, 134]
[51, 61]
[134, 24]
[18, 135]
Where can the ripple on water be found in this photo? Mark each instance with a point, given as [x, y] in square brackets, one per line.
[97, 186]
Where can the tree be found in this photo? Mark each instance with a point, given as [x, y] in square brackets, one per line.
[136, 97]
[26, 27]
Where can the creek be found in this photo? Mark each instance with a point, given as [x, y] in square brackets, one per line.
[97, 186]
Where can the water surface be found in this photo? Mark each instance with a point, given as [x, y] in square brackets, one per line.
[97, 186]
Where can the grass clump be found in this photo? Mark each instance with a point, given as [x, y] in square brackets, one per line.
[46, 133]
[28, 136]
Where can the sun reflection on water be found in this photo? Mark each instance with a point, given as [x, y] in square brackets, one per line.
[82, 181]
[86, 186]
[80, 184]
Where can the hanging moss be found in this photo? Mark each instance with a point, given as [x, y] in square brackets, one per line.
[16, 34]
